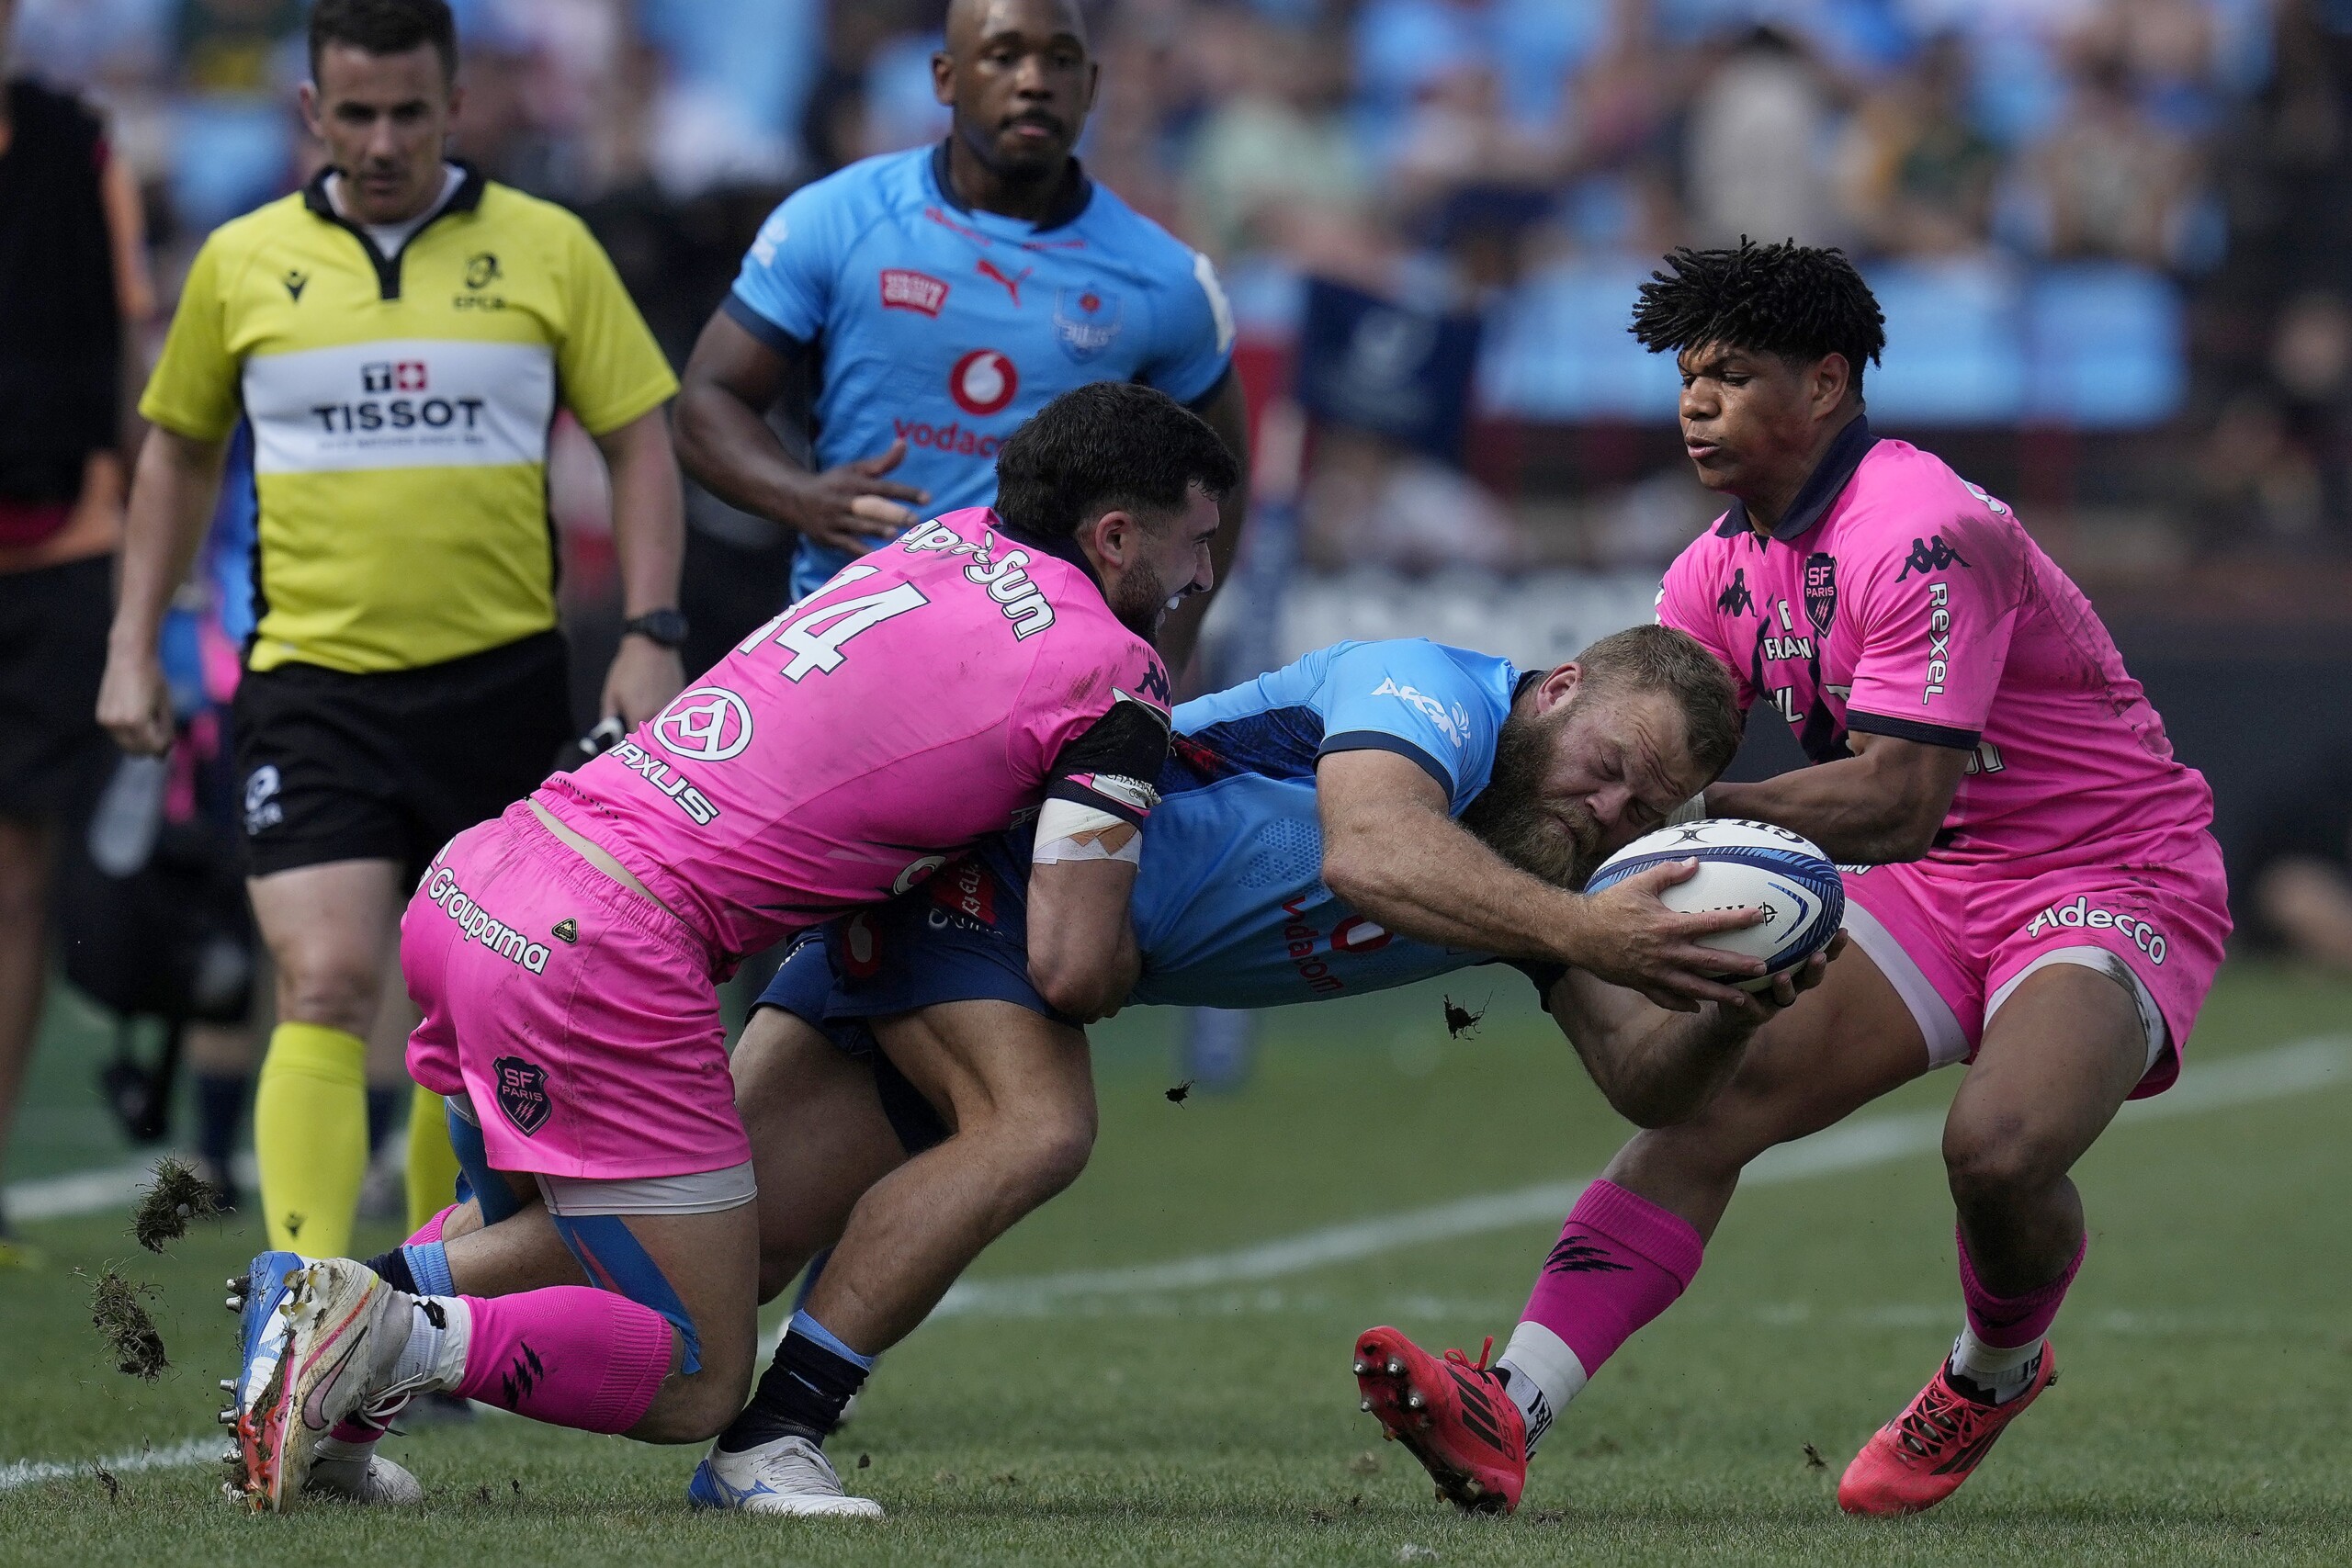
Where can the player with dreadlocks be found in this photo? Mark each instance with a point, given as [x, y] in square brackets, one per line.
[2031, 890]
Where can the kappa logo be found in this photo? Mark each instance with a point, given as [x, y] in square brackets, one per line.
[567, 931]
[1086, 319]
[709, 723]
[1452, 723]
[523, 1094]
[1154, 685]
[1736, 600]
[983, 382]
[1930, 554]
[906, 290]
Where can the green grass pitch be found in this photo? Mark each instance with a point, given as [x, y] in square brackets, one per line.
[2202, 1416]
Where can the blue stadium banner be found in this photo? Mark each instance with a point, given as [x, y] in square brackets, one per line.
[1374, 365]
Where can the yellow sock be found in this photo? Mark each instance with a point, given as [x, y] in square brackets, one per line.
[432, 1163]
[310, 1137]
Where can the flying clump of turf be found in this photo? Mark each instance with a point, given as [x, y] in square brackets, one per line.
[123, 1323]
[168, 1205]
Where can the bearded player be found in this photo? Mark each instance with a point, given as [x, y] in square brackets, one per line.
[565, 955]
[2033, 891]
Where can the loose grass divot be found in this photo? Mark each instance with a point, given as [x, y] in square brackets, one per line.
[168, 1205]
[130, 1333]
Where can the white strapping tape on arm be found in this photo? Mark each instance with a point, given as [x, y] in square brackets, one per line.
[1068, 830]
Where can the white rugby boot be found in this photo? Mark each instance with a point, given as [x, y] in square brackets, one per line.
[343, 1331]
[789, 1475]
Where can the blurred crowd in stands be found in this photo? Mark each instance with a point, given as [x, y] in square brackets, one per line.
[2111, 235]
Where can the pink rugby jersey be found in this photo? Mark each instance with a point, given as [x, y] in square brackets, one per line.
[930, 694]
[1898, 599]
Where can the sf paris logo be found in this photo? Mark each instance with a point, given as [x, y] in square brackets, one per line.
[709, 723]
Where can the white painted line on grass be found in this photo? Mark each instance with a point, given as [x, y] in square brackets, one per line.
[94, 1192]
[1852, 1145]
[29, 1471]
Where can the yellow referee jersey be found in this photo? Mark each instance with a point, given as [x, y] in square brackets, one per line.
[401, 411]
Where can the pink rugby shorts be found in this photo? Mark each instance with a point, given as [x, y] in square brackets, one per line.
[2159, 904]
[579, 1018]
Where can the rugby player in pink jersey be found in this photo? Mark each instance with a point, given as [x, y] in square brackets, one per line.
[2033, 890]
[566, 955]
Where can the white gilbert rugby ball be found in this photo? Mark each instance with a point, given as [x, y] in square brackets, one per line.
[1745, 865]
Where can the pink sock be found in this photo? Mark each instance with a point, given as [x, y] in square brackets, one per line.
[568, 1355]
[2007, 1322]
[430, 1231]
[1621, 1261]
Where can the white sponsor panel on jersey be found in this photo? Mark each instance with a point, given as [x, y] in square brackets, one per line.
[401, 403]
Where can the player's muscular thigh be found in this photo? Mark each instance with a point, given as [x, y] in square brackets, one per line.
[1842, 1045]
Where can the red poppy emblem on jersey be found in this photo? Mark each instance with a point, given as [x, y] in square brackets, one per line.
[983, 382]
[1356, 934]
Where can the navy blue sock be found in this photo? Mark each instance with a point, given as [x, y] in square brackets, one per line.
[219, 1111]
[803, 1390]
[392, 1269]
[383, 1104]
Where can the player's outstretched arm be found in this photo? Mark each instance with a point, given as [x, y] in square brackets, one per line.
[172, 497]
[1657, 1069]
[1880, 806]
[1393, 852]
[728, 387]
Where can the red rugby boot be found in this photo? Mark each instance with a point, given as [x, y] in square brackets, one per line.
[1451, 1414]
[1918, 1459]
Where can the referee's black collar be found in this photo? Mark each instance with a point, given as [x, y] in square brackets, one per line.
[1077, 191]
[1821, 489]
[465, 198]
[468, 196]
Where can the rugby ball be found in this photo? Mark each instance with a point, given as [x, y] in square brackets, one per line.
[1744, 865]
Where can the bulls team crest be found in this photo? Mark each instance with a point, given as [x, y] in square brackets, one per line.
[1820, 591]
[523, 1094]
[1086, 319]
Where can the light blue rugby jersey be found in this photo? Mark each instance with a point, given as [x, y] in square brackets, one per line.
[950, 327]
[1230, 907]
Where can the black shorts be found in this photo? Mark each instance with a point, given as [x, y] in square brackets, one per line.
[53, 624]
[391, 766]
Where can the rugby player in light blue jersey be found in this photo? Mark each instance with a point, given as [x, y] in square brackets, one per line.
[1373, 814]
[927, 302]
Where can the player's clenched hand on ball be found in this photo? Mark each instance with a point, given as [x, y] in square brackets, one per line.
[1630, 938]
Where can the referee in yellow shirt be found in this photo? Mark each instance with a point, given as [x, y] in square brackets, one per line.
[400, 334]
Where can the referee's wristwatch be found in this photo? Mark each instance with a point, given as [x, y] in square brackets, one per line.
[667, 627]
